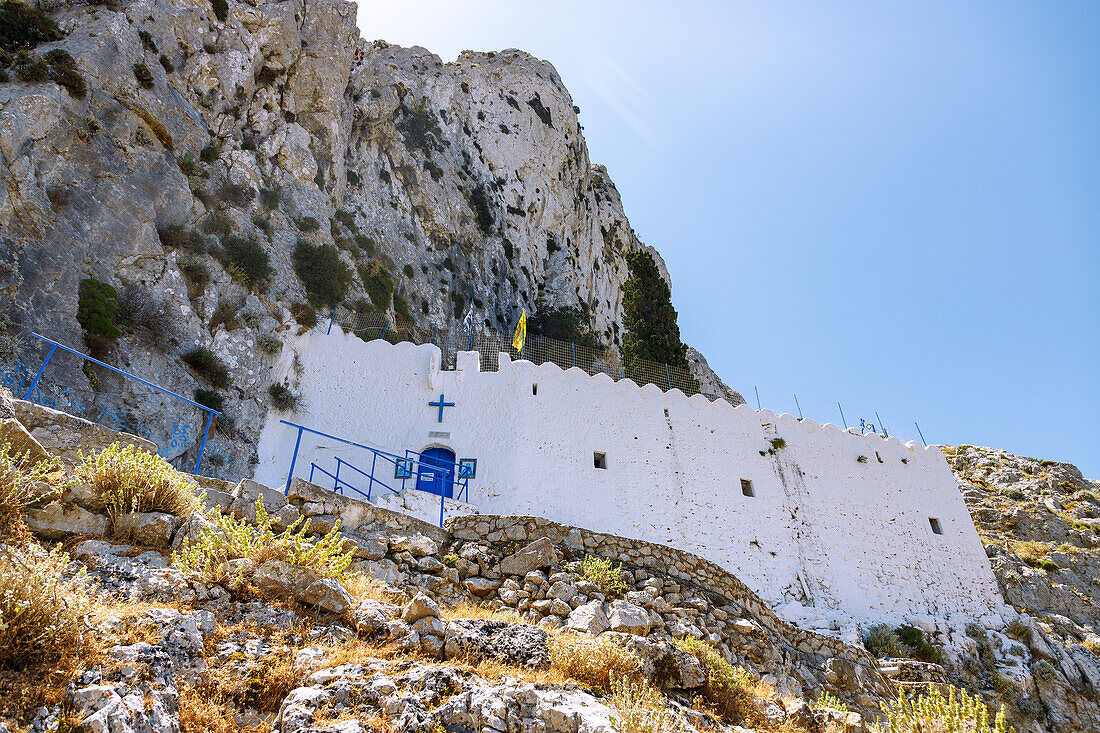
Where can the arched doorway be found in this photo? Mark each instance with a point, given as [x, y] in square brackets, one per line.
[436, 472]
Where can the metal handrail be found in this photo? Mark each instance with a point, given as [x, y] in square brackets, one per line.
[54, 346]
[462, 481]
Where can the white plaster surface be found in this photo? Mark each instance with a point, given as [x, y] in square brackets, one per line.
[825, 537]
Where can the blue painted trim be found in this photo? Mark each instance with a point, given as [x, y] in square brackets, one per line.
[202, 448]
[41, 369]
[441, 404]
[118, 371]
[293, 458]
[332, 319]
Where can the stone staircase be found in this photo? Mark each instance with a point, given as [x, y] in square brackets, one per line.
[422, 505]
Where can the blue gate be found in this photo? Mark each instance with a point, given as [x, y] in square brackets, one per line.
[435, 472]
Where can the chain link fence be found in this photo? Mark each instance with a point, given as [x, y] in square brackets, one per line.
[369, 325]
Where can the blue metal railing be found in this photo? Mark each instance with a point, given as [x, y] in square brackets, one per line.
[54, 346]
[412, 465]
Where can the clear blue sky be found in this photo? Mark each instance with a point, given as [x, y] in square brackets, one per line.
[893, 205]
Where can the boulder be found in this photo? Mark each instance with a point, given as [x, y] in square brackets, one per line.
[589, 618]
[480, 587]
[370, 616]
[419, 607]
[416, 544]
[628, 618]
[476, 639]
[152, 529]
[542, 553]
[56, 522]
[21, 441]
[326, 594]
[664, 663]
[192, 529]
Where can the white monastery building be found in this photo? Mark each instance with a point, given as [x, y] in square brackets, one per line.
[819, 521]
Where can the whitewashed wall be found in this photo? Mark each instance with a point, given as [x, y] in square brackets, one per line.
[823, 530]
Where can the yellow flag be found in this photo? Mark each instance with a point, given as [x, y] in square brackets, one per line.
[521, 332]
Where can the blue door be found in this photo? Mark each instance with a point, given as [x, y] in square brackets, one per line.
[435, 472]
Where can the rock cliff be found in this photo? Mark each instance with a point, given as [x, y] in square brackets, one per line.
[205, 132]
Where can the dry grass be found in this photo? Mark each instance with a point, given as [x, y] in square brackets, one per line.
[44, 642]
[593, 662]
[640, 708]
[469, 609]
[204, 711]
[131, 481]
[731, 691]
[23, 483]
[363, 588]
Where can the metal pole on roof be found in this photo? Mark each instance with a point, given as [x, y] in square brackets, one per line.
[920, 433]
[798, 406]
[842, 416]
[757, 396]
[885, 432]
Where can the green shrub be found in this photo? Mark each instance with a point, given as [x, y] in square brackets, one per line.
[225, 314]
[509, 251]
[32, 70]
[305, 315]
[189, 165]
[347, 219]
[325, 276]
[601, 572]
[648, 316]
[233, 539]
[365, 243]
[63, 71]
[176, 236]
[211, 152]
[308, 224]
[593, 662]
[196, 272]
[408, 270]
[238, 194]
[927, 712]
[825, 701]
[420, 128]
[147, 41]
[401, 307]
[23, 27]
[269, 343]
[378, 283]
[143, 75]
[563, 324]
[97, 312]
[209, 398]
[1018, 630]
[479, 202]
[882, 641]
[282, 398]
[269, 197]
[206, 363]
[167, 64]
[249, 256]
[130, 480]
[221, 9]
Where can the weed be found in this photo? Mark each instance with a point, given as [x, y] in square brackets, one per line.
[23, 27]
[408, 270]
[825, 701]
[601, 572]
[97, 313]
[22, 484]
[730, 690]
[209, 398]
[1018, 630]
[211, 152]
[283, 398]
[640, 708]
[225, 314]
[189, 165]
[308, 224]
[147, 41]
[269, 343]
[861, 459]
[143, 75]
[233, 539]
[269, 198]
[176, 236]
[196, 272]
[167, 64]
[131, 481]
[932, 712]
[206, 363]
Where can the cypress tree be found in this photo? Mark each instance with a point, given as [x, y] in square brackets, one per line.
[649, 318]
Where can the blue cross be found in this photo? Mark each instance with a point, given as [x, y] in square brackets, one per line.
[441, 404]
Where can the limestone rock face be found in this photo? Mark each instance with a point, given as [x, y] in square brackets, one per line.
[467, 182]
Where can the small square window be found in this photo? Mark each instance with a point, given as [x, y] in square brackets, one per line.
[402, 468]
[599, 460]
[467, 467]
[746, 487]
[534, 388]
[935, 523]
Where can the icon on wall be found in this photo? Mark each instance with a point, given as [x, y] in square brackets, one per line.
[467, 467]
[402, 468]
